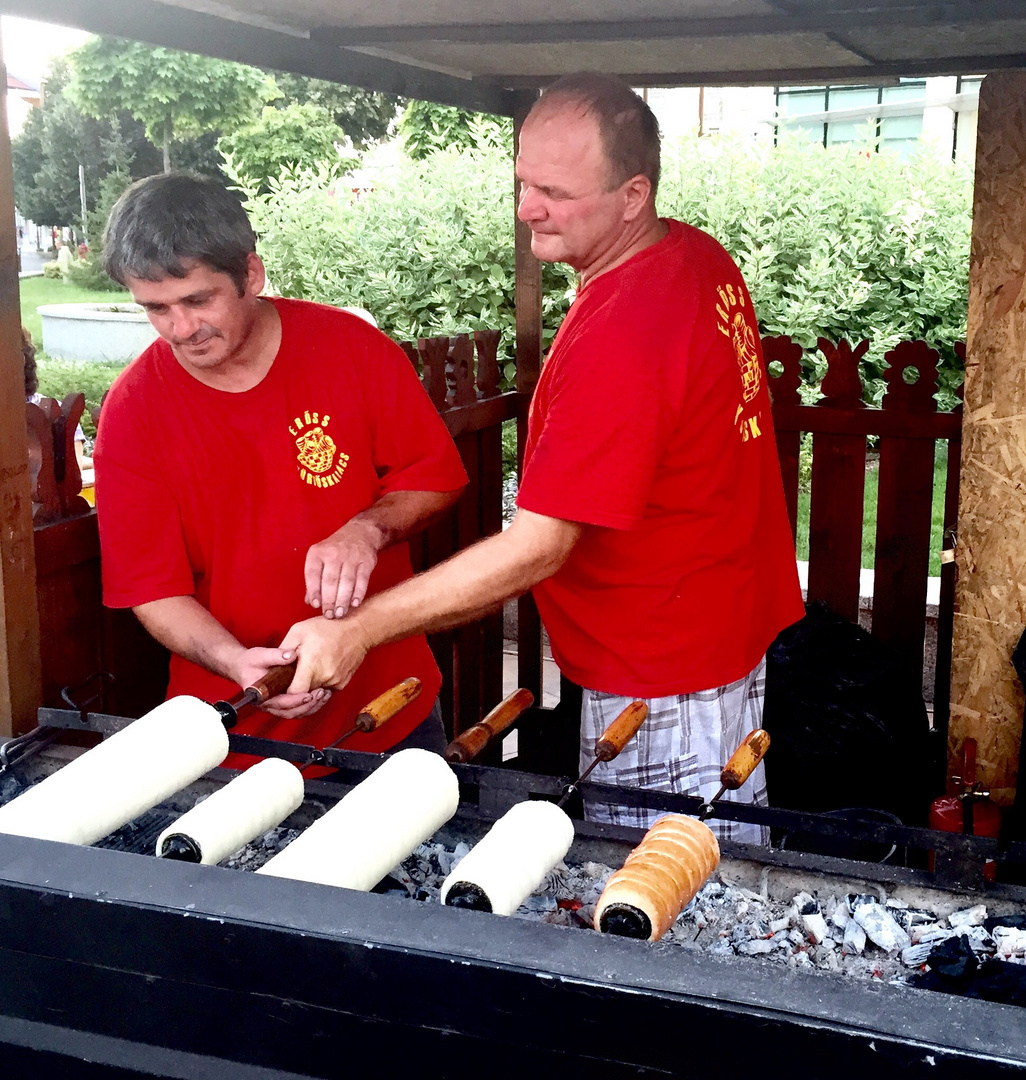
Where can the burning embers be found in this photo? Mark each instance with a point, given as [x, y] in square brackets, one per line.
[869, 937]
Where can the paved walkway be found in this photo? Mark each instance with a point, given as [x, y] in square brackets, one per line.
[32, 260]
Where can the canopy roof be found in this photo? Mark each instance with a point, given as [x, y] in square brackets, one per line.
[475, 54]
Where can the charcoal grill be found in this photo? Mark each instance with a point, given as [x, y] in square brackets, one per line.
[115, 963]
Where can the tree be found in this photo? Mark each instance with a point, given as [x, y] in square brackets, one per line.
[176, 95]
[300, 135]
[364, 115]
[57, 139]
[426, 128]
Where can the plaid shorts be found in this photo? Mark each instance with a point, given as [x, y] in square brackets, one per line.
[681, 747]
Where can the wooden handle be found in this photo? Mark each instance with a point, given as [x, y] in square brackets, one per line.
[744, 759]
[386, 705]
[276, 681]
[470, 743]
[621, 731]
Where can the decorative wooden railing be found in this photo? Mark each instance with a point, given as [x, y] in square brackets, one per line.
[469, 400]
[908, 427]
[461, 376]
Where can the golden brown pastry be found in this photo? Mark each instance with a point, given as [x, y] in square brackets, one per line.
[659, 878]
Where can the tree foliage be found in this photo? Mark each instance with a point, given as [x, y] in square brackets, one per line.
[836, 242]
[56, 139]
[175, 95]
[299, 135]
[365, 116]
[426, 128]
[428, 251]
[831, 242]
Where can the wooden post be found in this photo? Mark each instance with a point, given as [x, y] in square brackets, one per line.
[529, 350]
[20, 673]
[986, 698]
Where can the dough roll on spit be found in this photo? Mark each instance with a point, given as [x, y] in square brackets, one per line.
[375, 826]
[125, 775]
[258, 799]
[659, 879]
[511, 860]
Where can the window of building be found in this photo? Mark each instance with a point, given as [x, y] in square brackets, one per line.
[892, 116]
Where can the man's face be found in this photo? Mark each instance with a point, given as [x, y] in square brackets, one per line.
[202, 316]
[564, 181]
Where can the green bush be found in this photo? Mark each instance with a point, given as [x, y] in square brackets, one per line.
[429, 251]
[52, 271]
[89, 273]
[838, 242]
[57, 378]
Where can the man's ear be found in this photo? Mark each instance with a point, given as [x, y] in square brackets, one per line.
[256, 275]
[637, 195]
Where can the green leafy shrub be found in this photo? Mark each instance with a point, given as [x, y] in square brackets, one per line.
[836, 242]
[52, 271]
[57, 378]
[425, 128]
[89, 273]
[428, 251]
[300, 134]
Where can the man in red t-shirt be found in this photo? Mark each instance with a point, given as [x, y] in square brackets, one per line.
[262, 458]
[651, 520]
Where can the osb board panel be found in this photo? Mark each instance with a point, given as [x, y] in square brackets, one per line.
[987, 700]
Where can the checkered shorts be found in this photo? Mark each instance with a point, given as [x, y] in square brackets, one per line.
[681, 747]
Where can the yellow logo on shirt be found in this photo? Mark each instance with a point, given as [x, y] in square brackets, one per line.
[318, 464]
[734, 325]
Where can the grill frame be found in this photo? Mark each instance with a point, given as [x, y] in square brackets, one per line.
[136, 966]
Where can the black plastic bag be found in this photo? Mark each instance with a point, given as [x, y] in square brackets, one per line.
[848, 723]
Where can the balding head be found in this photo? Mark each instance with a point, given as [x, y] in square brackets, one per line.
[627, 126]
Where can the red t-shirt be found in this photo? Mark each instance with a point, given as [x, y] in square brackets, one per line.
[220, 495]
[651, 422]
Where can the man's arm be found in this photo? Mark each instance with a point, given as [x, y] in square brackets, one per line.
[338, 568]
[185, 627]
[464, 588]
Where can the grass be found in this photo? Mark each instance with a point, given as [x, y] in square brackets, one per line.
[36, 291]
[58, 378]
[869, 515]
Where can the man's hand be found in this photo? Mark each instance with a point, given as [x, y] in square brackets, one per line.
[329, 652]
[254, 664]
[338, 569]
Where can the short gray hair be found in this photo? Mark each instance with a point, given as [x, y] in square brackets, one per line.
[162, 222]
[627, 126]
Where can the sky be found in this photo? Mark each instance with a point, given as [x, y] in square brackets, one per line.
[28, 46]
[28, 49]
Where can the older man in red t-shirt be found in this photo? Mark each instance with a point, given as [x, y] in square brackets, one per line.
[263, 457]
[651, 520]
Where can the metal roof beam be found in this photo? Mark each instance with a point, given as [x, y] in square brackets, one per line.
[815, 76]
[812, 21]
[226, 39]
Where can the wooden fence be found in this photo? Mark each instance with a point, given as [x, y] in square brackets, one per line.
[907, 428]
[461, 376]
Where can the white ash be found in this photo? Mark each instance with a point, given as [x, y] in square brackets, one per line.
[808, 933]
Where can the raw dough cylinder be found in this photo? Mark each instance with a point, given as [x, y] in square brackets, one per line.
[661, 875]
[256, 800]
[513, 857]
[125, 775]
[375, 826]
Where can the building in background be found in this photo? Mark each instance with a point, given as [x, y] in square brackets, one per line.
[22, 97]
[903, 113]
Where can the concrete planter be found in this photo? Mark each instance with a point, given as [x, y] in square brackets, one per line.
[95, 332]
